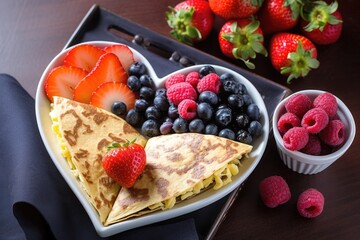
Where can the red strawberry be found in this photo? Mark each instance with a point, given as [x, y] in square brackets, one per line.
[109, 92]
[279, 15]
[191, 21]
[83, 56]
[293, 55]
[124, 54]
[107, 69]
[235, 8]
[62, 80]
[322, 23]
[124, 163]
[242, 39]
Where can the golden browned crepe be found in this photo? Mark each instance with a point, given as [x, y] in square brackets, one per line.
[84, 133]
[178, 166]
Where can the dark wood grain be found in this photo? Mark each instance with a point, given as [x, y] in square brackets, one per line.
[33, 32]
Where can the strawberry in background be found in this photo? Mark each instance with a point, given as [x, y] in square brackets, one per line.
[228, 9]
[242, 39]
[322, 22]
[292, 55]
[191, 21]
[279, 15]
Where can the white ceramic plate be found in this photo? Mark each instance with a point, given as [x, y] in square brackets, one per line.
[42, 106]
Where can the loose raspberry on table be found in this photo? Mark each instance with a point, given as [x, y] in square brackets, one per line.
[334, 133]
[274, 191]
[193, 78]
[310, 203]
[315, 120]
[298, 104]
[287, 121]
[187, 109]
[313, 147]
[296, 138]
[326, 101]
[210, 82]
[180, 91]
[173, 79]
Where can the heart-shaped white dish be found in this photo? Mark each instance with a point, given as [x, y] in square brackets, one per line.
[42, 107]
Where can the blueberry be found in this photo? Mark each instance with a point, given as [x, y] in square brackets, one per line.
[166, 127]
[221, 106]
[118, 108]
[229, 83]
[133, 117]
[160, 91]
[242, 120]
[133, 83]
[235, 101]
[152, 113]
[196, 125]
[150, 128]
[243, 136]
[253, 111]
[205, 111]
[141, 105]
[147, 93]
[180, 125]
[227, 133]
[255, 128]
[212, 129]
[247, 99]
[161, 103]
[137, 69]
[223, 116]
[208, 97]
[173, 112]
[205, 70]
[242, 89]
[146, 81]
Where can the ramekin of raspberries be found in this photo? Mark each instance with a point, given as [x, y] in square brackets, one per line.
[312, 129]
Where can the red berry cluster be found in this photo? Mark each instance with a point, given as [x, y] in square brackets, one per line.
[311, 127]
[275, 191]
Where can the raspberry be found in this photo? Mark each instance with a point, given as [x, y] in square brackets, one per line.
[326, 101]
[210, 82]
[287, 121]
[315, 120]
[193, 78]
[296, 138]
[313, 147]
[310, 203]
[187, 109]
[180, 91]
[173, 79]
[334, 133]
[298, 104]
[274, 191]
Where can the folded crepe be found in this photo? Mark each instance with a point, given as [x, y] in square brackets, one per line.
[84, 132]
[178, 166]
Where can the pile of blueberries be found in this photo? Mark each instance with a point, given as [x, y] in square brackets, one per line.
[230, 114]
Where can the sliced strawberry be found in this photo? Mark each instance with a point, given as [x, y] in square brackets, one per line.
[107, 93]
[83, 56]
[107, 69]
[62, 80]
[124, 54]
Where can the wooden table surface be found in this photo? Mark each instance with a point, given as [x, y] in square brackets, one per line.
[33, 32]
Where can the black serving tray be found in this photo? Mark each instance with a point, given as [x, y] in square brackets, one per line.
[166, 56]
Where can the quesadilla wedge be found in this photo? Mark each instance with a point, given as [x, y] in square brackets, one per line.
[178, 166]
[84, 132]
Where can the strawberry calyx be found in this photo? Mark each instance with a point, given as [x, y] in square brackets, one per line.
[319, 14]
[114, 145]
[181, 23]
[295, 7]
[301, 62]
[246, 42]
[256, 3]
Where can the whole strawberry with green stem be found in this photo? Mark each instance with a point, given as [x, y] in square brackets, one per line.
[293, 55]
[279, 15]
[124, 163]
[242, 39]
[191, 21]
[322, 22]
[228, 9]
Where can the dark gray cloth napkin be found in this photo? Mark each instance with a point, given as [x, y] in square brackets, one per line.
[35, 201]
